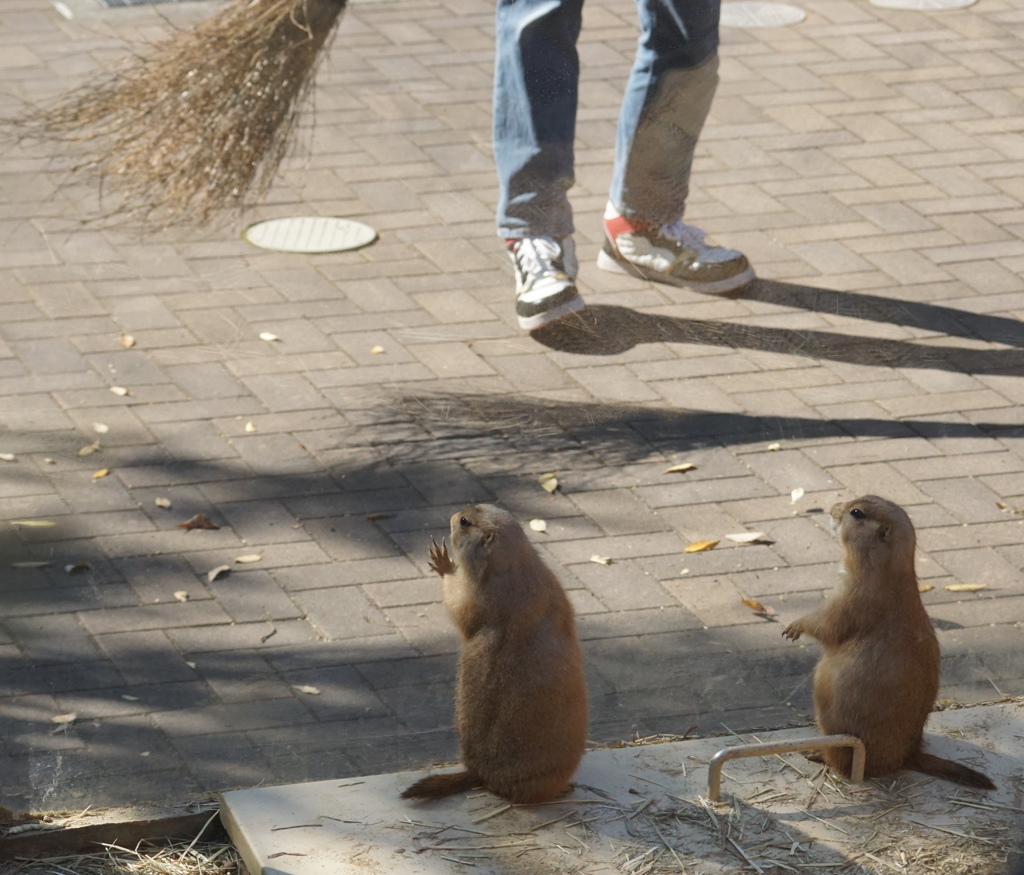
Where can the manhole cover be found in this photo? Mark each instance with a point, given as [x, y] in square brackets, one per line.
[760, 14]
[923, 5]
[310, 234]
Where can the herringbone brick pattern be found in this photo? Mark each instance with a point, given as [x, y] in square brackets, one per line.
[868, 161]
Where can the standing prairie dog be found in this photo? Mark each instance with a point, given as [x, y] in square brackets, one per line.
[879, 674]
[521, 698]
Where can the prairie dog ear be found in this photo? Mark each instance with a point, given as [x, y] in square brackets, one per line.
[489, 536]
[884, 530]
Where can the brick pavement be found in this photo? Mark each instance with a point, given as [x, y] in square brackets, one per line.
[868, 161]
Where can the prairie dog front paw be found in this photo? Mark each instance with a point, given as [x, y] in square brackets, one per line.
[793, 631]
[440, 561]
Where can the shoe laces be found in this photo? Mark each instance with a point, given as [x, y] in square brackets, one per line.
[688, 235]
[538, 256]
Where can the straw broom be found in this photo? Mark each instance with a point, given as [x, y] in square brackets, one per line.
[201, 123]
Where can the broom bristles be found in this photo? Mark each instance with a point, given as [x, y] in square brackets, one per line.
[199, 124]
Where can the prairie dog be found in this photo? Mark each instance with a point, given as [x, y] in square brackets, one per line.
[521, 698]
[879, 674]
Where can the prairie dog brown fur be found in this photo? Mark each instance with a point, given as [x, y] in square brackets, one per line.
[521, 697]
[879, 674]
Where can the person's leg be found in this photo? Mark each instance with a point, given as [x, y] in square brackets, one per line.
[536, 79]
[667, 101]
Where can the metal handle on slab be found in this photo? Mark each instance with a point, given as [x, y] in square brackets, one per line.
[771, 747]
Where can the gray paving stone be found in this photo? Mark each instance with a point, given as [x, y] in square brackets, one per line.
[351, 538]
[221, 760]
[622, 586]
[205, 381]
[253, 595]
[321, 654]
[233, 717]
[267, 635]
[54, 638]
[241, 677]
[341, 612]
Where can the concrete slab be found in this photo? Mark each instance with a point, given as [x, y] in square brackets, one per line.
[642, 808]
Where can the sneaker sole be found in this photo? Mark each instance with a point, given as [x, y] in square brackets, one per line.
[539, 320]
[729, 284]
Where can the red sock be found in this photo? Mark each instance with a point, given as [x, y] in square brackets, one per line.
[622, 225]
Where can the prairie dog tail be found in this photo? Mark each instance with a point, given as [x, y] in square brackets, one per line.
[938, 767]
[439, 786]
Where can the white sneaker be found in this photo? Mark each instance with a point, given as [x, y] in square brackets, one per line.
[545, 280]
[675, 254]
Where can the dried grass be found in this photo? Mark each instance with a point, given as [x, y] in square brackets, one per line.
[172, 858]
[200, 123]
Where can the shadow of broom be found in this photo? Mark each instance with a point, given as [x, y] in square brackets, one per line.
[200, 123]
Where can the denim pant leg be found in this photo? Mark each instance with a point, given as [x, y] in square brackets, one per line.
[667, 100]
[536, 80]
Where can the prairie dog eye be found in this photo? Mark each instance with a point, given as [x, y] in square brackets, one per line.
[857, 513]
[463, 521]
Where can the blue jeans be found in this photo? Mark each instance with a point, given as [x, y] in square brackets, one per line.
[536, 82]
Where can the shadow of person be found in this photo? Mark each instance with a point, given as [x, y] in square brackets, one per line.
[604, 329]
[874, 308]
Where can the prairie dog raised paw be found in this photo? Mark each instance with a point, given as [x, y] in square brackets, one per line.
[440, 561]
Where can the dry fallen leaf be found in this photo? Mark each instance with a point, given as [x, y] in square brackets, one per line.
[1005, 508]
[219, 571]
[796, 495]
[926, 587]
[377, 350]
[7, 457]
[128, 698]
[965, 587]
[103, 472]
[548, 482]
[33, 564]
[681, 468]
[700, 546]
[268, 336]
[89, 450]
[34, 524]
[774, 447]
[74, 568]
[248, 557]
[539, 525]
[746, 537]
[64, 719]
[165, 503]
[249, 428]
[602, 560]
[119, 390]
[305, 688]
[199, 521]
[49, 461]
[757, 607]
[126, 340]
[100, 427]
[181, 595]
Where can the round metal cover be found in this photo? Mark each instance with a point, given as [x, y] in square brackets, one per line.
[756, 13]
[310, 234]
[923, 5]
